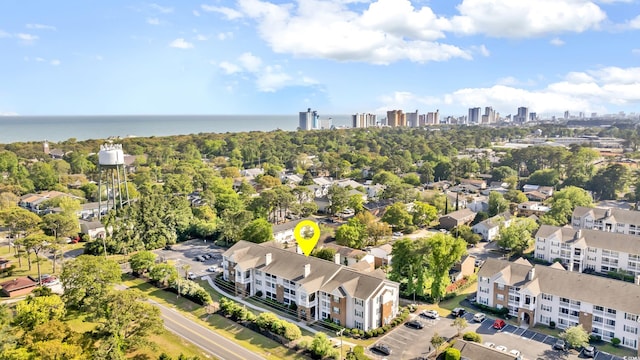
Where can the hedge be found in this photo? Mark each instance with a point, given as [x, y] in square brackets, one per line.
[472, 336]
[452, 354]
[265, 321]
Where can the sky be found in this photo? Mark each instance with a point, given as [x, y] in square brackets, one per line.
[78, 57]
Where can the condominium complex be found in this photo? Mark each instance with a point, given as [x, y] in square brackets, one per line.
[583, 249]
[309, 120]
[430, 118]
[611, 219]
[522, 116]
[542, 294]
[364, 120]
[396, 118]
[474, 116]
[412, 119]
[321, 289]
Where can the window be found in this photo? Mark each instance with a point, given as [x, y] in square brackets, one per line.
[258, 282]
[564, 300]
[359, 325]
[545, 319]
[629, 342]
[359, 313]
[611, 311]
[500, 297]
[597, 319]
[631, 317]
[336, 298]
[336, 310]
[631, 329]
[359, 302]
[500, 287]
[547, 297]
[258, 272]
[598, 308]
[546, 308]
[610, 322]
[564, 311]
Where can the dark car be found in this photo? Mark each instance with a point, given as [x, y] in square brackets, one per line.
[382, 348]
[560, 345]
[457, 312]
[589, 351]
[168, 247]
[414, 324]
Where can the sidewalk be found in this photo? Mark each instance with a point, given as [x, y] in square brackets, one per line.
[300, 324]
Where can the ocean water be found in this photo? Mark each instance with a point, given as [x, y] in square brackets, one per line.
[60, 128]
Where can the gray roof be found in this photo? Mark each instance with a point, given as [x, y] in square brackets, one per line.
[460, 214]
[288, 225]
[618, 215]
[596, 290]
[475, 351]
[496, 220]
[325, 275]
[593, 238]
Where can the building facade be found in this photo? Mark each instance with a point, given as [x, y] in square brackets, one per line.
[364, 120]
[609, 219]
[543, 294]
[396, 118]
[309, 120]
[583, 249]
[320, 289]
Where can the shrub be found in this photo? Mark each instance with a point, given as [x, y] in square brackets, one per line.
[259, 293]
[552, 324]
[452, 354]
[615, 341]
[472, 336]
[594, 338]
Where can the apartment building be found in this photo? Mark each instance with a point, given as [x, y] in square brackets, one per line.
[321, 289]
[541, 294]
[609, 219]
[584, 249]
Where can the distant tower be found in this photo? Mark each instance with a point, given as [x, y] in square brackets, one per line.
[45, 147]
[110, 168]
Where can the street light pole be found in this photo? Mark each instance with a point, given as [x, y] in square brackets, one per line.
[339, 333]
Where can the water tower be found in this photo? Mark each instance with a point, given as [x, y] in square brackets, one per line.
[113, 176]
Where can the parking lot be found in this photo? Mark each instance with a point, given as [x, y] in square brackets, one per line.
[407, 343]
[186, 252]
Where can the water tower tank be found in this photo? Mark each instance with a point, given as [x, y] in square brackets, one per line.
[111, 155]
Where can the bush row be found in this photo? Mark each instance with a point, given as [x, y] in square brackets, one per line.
[191, 290]
[265, 321]
[491, 310]
[399, 319]
[472, 336]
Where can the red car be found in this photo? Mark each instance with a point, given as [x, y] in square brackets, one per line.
[499, 324]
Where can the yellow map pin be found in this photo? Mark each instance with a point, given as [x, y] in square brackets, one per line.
[306, 241]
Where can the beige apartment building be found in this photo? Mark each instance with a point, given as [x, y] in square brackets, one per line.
[321, 289]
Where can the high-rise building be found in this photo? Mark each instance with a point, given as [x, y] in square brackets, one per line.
[533, 116]
[474, 116]
[412, 119]
[489, 116]
[430, 118]
[309, 120]
[523, 115]
[396, 118]
[325, 124]
[364, 120]
[566, 115]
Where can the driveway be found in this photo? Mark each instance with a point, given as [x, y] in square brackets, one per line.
[184, 253]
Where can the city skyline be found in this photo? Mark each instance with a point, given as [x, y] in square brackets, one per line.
[337, 56]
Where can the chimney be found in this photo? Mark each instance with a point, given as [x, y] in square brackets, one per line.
[307, 270]
[531, 274]
[608, 213]
[336, 258]
[267, 259]
[578, 234]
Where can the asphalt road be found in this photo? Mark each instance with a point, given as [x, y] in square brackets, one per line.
[201, 336]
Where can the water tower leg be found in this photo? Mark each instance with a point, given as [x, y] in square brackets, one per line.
[119, 185]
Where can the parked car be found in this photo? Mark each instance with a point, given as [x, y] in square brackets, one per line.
[206, 256]
[589, 351]
[499, 324]
[191, 276]
[479, 262]
[473, 299]
[560, 345]
[199, 258]
[212, 268]
[431, 314]
[397, 233]
[382, 348]
[414, 324]
[457, 312]
[168, 247]
[489, 344]
[501, 348]
[515, 352]
[479, 317]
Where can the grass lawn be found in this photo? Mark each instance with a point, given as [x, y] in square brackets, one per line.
[223, 326]
[46, 265]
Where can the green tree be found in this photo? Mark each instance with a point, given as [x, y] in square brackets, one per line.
[460, 324]
[232, 224]
[87, 280]
[352, 234]
[545, 177]
[563, 203]
[609, 181]
[338, 199]
[515, 196]
[423, 214]
[466, 233]
[43, 175]
[325, 253]
[163, 274]
[321, 347]
[436, 342]
[38, 310]
[398, 217]
[386, 178]
[443, 251]
[142, 262]
[452, 354]
[258, 231]
[519, 236]
[575, 336]
[497, 203]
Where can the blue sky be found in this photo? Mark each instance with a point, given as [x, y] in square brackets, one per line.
[336, 56]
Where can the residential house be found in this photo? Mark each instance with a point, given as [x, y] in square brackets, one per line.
[319, 191]
[477, 183]
[348, 183]
[457, 218]
[251, 174]
[536, 196]
[353, 192]
[321, 289]
[4, 264]
[539, 294]
[94, 229]
[18, 287]
[584, 249]
[348, 256]
[323, 181]
[474, 351]
[529, 208]
[382, 255]
[490, 228]
[34, 202]
[291, 178]
[609, 219]
[478, 203]
[283, 233]
[456, 200]
[88, 210]
[465, 267]
[374, 191]
[546, 190]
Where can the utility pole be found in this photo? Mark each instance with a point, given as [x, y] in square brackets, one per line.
[339, 333]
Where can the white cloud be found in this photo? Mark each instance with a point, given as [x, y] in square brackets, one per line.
[482, 50]
[27, 37]
[635, 23]
[40, 27]
[230, 13]
[556, 42]
[55, 62]
[268, 78]
[4, 34]
[181, 43]
[592, 90]
[153, 21]
[39, 59]
[196, 13]
[526, 18]
[161, 9]
[225, 35]
[201, 37]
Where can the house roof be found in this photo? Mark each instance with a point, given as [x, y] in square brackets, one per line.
[322, 181]
[3, 261]
[346, 251]
[592, 238]
[460, 214]
[325, 275]
[597, 290]
[17, 284]
[496, 220]
[91, 225]
[288, 225]
[617, 215]
[475, 351]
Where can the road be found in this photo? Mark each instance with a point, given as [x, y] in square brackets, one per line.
[203, 337]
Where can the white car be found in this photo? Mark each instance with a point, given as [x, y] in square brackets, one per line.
[501, 348]
[212, 268]
[432, 314]
[191, 276]
[490, 344]
[514, 352]
[479, 317]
